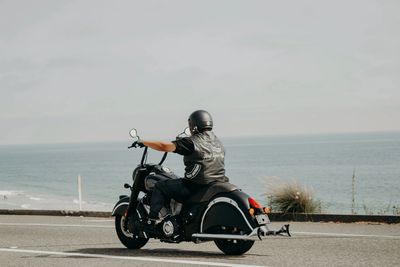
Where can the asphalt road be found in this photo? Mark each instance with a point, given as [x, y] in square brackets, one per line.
[82, 241]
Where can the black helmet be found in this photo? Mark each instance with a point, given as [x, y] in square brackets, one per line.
[200, 120]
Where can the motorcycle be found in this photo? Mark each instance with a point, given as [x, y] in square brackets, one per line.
[218, 212]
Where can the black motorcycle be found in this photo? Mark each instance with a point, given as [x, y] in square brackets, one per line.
[219, 212]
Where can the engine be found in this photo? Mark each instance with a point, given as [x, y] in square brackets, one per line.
[170, 227]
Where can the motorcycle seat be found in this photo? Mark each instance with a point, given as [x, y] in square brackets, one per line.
[206, 193]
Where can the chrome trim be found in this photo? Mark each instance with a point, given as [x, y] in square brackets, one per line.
[221, 236]
[140, 217]
[226, 200]
[252, 236]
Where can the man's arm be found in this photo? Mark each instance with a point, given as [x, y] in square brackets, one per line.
[160, 146]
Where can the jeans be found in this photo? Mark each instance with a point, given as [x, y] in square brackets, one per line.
[165, 190]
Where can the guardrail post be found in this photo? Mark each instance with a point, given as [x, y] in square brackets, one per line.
[80, 192]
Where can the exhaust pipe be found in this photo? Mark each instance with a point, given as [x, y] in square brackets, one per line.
[256, 234]
[222, 236]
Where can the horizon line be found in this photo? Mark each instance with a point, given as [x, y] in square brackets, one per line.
[222, 137]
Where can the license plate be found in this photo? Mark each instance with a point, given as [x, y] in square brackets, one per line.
[262, 219]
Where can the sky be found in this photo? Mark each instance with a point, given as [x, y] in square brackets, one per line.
[78, 71]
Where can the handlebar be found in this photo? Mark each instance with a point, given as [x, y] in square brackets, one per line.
[135, 145]
[163, 158]
[144, 155]
[133, 133]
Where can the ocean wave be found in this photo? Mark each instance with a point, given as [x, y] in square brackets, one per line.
[11, 199]
[7, 193]
[35, 198]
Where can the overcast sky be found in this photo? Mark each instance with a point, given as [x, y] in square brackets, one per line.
[73, 71]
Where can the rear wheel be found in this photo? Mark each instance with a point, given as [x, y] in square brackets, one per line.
[233, 246]
[127, 238]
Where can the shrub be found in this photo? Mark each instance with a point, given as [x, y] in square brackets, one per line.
[292, 197]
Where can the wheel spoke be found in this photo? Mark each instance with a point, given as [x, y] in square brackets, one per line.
[125, 231]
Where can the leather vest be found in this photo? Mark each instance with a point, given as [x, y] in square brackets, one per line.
[206, 164]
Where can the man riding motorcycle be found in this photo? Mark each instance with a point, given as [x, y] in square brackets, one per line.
[203, 156]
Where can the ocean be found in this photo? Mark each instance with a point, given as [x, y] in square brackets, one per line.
[45, 176]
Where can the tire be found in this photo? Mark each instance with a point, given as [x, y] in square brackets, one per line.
[128, 239]
[233, 247]
[230, 248]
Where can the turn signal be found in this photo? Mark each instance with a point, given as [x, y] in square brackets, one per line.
[266, 210]
[254, 203]
[251, 211]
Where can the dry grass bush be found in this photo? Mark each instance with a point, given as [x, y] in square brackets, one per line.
[291, 197]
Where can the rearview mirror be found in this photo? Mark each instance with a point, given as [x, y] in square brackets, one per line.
[185, 133]
[133, 133]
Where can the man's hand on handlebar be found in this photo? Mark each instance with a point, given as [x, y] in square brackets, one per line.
[137, 143]
[156, 145]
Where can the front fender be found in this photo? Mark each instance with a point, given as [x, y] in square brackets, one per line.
[121, 206]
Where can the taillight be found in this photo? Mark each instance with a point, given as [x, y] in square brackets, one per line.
[254, 204]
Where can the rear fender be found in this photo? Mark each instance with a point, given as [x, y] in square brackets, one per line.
[228, 209]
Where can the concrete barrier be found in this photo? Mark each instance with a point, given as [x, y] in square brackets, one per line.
[343, 218]
[56, 213]
[298, 217]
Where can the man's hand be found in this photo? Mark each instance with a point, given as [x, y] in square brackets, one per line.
[138, 143]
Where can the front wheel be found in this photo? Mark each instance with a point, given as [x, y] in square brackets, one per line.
[233, 246]
[129, 240]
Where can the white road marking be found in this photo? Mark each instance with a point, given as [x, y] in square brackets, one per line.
[98, 220]
[345, 235]
[149, 259]
[57, 225]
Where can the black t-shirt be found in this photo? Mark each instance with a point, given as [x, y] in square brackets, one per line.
[184, 146]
